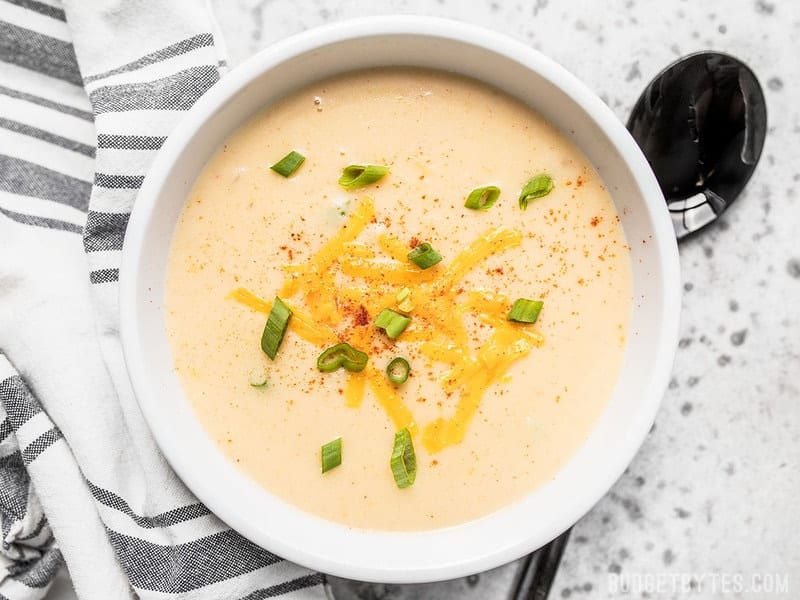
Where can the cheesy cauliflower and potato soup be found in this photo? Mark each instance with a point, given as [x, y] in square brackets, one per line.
[414, 220]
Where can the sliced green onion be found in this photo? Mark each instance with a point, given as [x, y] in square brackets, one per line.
[259, 379]
[356, 176]
[525, 311]
[392, 322]
[277, 322]
[483, 198]
[403, 461]
[288, 164]
[403, 294]
[331, 454]
[537, 187]
[424, 256]
[398, 370]
[342, 355]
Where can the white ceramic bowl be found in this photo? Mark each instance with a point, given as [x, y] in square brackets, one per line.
[504, 535]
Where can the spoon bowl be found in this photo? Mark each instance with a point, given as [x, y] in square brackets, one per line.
[701, 124]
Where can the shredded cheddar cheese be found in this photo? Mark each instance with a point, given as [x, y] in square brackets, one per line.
[302, 324]
[354, 389]
[438, 326]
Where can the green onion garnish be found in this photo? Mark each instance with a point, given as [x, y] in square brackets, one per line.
[525, 311]
[342, 355]
[288, 164]
[397, 370]
[392, 322]
[331, 454]
[403, 461]
[483, 198]
[539, 186]
[259, 379]
[424, 256]
[356, 176]
[277, 322]
[403, 294]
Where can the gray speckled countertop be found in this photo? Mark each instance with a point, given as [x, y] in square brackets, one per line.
[709, 508]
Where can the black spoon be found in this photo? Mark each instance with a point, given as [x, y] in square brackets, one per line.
[701, 124]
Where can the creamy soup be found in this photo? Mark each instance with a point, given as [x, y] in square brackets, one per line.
[494, 407]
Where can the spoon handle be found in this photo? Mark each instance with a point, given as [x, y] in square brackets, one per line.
[538, 570]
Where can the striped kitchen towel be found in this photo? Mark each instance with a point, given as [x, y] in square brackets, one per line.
[89, 90]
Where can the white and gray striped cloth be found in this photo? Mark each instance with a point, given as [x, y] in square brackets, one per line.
[89, 90]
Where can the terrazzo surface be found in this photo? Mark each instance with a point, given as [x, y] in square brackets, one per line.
[709, 508]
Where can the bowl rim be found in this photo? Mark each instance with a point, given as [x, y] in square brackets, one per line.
[360, 28]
